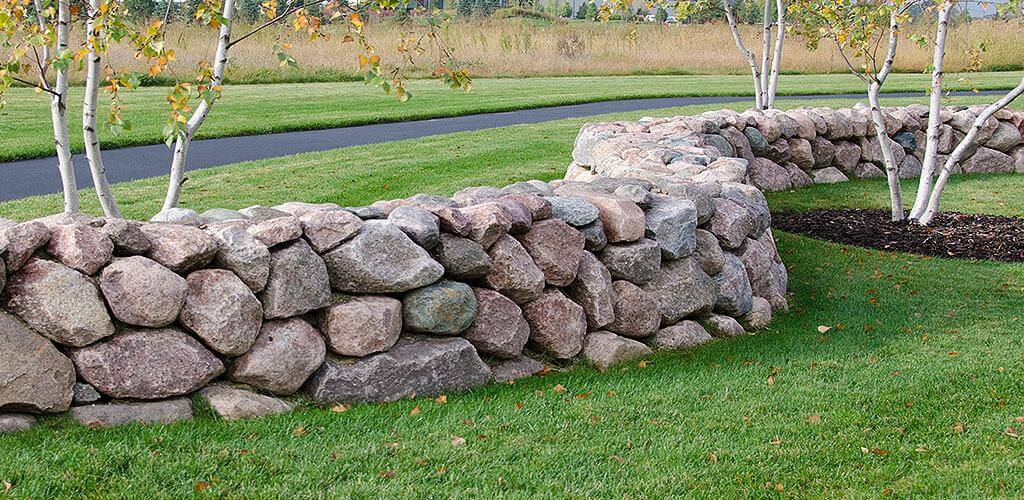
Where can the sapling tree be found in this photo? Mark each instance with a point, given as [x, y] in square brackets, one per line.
[766, 77]
[859, 31]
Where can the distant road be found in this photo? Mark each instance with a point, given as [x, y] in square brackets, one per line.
[23, 178]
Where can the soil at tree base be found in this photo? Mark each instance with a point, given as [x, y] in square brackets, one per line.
[951, 234]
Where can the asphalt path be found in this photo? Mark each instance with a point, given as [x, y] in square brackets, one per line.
[19, 179]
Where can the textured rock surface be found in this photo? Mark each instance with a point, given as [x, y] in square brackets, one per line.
[488, 222]
[672, 222]
[112, 415]
[759, 316]
[15, 422]
[380, 259]
[462, 258]
[722, 326]
[507, 370]
[298, 282]
[556, 249]
[499, 329]
[593, 290]
[84, 394]
[682, 289]
[513, 272]
[637, 313]
[683, 335]
[34, 376]
[605, 349]
[141, 292]
[415, 366]
[636, 262]
[734, 292]
[326, 229]
[276, 231]
[286, 352]
[362, 325]
[21, 241]
[557, 325]
[420, 225]
[178, 247]
[241, 253]
[574, 211]
[58, 302]
[443, 308]
[80, 247]
[147, 364]
[221, 311]
[231, 403]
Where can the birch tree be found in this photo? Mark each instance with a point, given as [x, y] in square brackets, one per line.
[859, 30]
[766, 77]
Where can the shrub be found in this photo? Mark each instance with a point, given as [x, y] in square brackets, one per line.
[510, 12]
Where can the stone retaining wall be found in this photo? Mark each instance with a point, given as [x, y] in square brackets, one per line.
[122, 321]
[779, 150]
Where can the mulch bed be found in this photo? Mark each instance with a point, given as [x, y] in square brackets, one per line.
[951, 235]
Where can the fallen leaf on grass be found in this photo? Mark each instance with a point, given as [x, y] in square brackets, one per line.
[415, 411]
[387, 474]
[458, 441]
[7, 486]
[814, 419]
[775, 441]
[340, 408]
[201, 486]
[519, 406]
[824, 328]
[442, 399]
[559, 388]
[958, 427]
[299, 432]
[713, 458]
[1012, 432]
[1019, 420]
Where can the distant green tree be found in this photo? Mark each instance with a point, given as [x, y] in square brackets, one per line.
[592, 11]
[141, 9]
[464, 8]
[661, 15]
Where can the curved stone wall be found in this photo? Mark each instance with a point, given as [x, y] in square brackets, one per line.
[779, 150]
[122, 321]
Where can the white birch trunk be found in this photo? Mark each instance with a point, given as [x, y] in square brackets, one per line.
[749, 56]
[928, 165]
[58, 113]
[780, 35]
[961, 149]
[177, 177]
[766, 46]
[89, 133]
[892, 172]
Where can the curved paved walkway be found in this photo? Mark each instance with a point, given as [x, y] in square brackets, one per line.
[19, 179]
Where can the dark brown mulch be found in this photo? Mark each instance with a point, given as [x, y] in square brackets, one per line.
[951, 235]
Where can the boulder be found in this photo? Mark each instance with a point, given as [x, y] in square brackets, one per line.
[682, 289]
[180, 248]
[1004, 138]
[488, 222]
[508, 370]
[910, 168]
[801, 153]
[15, 422]
[21, 241]
[594, 292]
[672, 223]
[824, 152]
[298, 208]
[221, 311]
[147, 364]
[34, 376]
[380, 259]
[865, 170]
[636, 194]
[499, 330]
[759, 316]
[739, 142]
[84, 394]
[848, 155]
[513, 272]
[573, 210]
[720, 143]
[769, 176]
[215, 215]
[539, 207]
[637, 313]
[442, 308]
[326, 229]
[635, 262]
[708, 253]
[420, 225]
[757, 262]
[298, 282]
[522, 218]
[58, 302]
[593, 236]
[830, 175]
[605, 349]
[285, 354]
[141, 292]
[230, 403]
[757, 141]
[988, 161]
[905, 140]
[622, 219]
[697, 193]
[115, 414]
[557, 325]
[362, 325]
[126, 235]
[797, 177]
[80, 247]
[416, 366]
[1018, 160]
[753, 200]
[462, 258]
[257, 214]
[683, 335]
[241, 253]
[722, 326]
[182, 216]
[731, 223]
[734, 291]
[778, 151]
[276, 231]
[477, 194]
[556, 248]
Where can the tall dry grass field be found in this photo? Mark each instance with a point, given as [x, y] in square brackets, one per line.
[516, 48]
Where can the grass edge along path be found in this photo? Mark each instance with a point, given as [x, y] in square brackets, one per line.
[260, 109]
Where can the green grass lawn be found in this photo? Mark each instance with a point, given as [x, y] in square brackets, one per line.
[25, 129]
[915, 390]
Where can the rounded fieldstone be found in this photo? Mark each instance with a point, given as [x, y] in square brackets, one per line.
[380, 259]
[419, 224]
[683, 335]
[682, 289]
[557, 325]
[734, 291]
[605, 349]
[622, 219]
[593, 236]
[80, 247]
[759, 316]
[298, 282]
[285, 354]
[147, 364]
[722, 326]
[636, 262]
[556, 249]
[141, 292]
[21, 241]
[126, 235]
[276, 231]
[34, 376]
[443, 308]
[244, 255]
[499, 329]
[361, 325]
[181, 248]
[462, 258]
[637, 314]
[58, 302]
[513, 272]
[594, 292]
[672, 223]
[326, 229]
[221, 311]
[573, 210]
[488, 222]
[231, 403]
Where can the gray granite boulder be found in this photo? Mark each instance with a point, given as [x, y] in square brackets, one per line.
[594, 239]
[682, 289]
[593, 290]
[326, 229]
[708, 253]
[420, 225]
[380, 259]
[442, 308]
[286, 352]
[221, 311]
[15, 422]
[672, 223]
[58, 302]
[508, 370]
[115, 414]
[147, 364]
[722, 326]
[231, 403]
[731, 223]
[415, 366]
[685, 334]
[80, 247]
[557, 325]
[34, 376]
[575, 211]
[462, 258]
[636, 262]
[241, 253]
[734, 291]
[759, 316]
[298, 282]
[499, 329]
[513, 272]
[84, 394]
[556, 248]
[637, 313]
[141, 292]
[605, 349]
[362, 325]
[179, 248]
